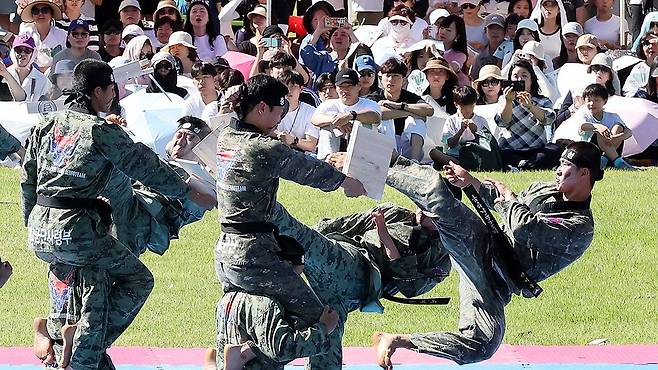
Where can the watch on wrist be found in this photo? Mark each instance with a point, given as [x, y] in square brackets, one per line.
[354, 114]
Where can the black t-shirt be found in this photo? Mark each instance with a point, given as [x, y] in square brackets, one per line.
[570, 7]
[5, 94]
[105, 56]
[405, 97]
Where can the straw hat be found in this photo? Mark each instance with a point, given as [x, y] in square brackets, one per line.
[440, 63]
[588, 40]
[487, 72]
[534, 48]
[179, 38]
[166, 4]
[24, 8]
[258, 10]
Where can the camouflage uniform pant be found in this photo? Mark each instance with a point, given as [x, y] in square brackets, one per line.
[482, 292]
[102, 300]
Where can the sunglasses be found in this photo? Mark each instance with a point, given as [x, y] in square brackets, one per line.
[397, 22]
[366, 73]
[164, 65]
[167, 11]
[598, 68]
[148, 56]
[22, 50]
[42, 10]
[490, 82]
[469, 6]
[112, 33]
[79, 35]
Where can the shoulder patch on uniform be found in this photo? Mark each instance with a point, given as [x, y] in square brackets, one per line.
[60, 146]
[555, 220]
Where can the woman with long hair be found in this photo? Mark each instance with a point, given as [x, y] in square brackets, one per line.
[209, 44]
[442, 81]
[568, 53]
[452, 32]
[550, 16]
[473, 23]
[520, 7]
[526, 30]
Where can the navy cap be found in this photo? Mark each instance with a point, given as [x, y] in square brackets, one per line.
[78, 23]
[365, 62]
[347, 76]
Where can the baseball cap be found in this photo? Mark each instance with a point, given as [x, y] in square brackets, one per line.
[194, 125]
[61, 67]
[494, 19]
[347, 76]
[588, 40]
[24, 40]
[132, 30]
[78, 23]
[572, 27]
[585, 155]
[528, 24]
[363, 62]
[126, 3]
[400, 18]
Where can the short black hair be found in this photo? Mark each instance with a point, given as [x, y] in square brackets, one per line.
[394, 66]
[259, 88]
[164, 20]
[90, 74]
[512, 18]
[464, 95]
[325, 79]
[203, 68]
[596, 90]
[292, 77]
[283, 59]
[229, 77]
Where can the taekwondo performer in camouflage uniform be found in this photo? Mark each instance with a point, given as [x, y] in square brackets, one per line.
[350, 262]
[549, 225]
[69, 161]
[249, 165]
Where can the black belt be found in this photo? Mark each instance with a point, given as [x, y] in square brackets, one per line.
[103, 209]
[428, 301]
[250, 228]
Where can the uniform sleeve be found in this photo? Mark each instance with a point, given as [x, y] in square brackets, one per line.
[305, 170]
[8, 144]
[280, 342]
[137, 161]
[29, 176]
[358, 224]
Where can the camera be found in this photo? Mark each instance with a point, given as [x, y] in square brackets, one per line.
[335, 22]
[516, 85]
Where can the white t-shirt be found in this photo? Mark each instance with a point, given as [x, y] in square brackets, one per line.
[607, 30]
[210, 110]
[453, 125]
[328, 142]
[298, 122]
[637, 79]
[35, 85]
[608, 120]
[552, 44]
[54, 42]
[206, 52]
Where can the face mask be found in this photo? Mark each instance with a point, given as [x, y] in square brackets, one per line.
[401, 31]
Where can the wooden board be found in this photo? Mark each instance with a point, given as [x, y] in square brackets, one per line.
[219, 121]
[206, 150]
[368, 158]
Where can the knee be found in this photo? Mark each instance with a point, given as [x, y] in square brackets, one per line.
[481, 349]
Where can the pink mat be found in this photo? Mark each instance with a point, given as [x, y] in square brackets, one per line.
[608, 354]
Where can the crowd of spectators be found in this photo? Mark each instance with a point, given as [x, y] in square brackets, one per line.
[465, 81]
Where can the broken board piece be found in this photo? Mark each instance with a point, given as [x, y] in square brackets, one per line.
[206, 150]
[368, 158]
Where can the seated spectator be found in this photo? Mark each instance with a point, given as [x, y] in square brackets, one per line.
[38, 22]
[511, 24]
[204, 80]
[34, 83]
[165, 76]
[650, 23]
[494, 25]
[281, 62]
[295, 128]
[520, 7]
[180, 45]
[605, 25]
[313, 17]
[168, 9]
[130, 32]
[442, 81]
[247, 37]
[209, 44]
[340, 115]
[435, 18]
[139, 48]
[111, 40]
[62, 79]
[453, 35]
[72, 9]
[650, 90]
[605, 129]
[320, 60]
[227, 78]
[639, 76]
[526, 30]
[488, 85]
[326, 87]
[550, 16]
[406, 112]
[416, 59]
[522, 119]
[190, 132]
[587, 47]
[130, 13]
[568, 54]
[400, 36]
[460, 127]
[494, 7]
[163, 28]
[367, 69]
[417, 28]
[225, 81]
[10, 89]
[474, 24]
[78, 41]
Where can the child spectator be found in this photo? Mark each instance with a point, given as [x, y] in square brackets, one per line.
[603, 128]
[460, 127]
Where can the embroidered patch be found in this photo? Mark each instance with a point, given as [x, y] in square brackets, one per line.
[225, 161]
[555, 220]
[60, 290]
[61, 147]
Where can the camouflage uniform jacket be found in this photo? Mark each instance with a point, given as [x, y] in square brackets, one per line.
[8, 143]
[73, 155]
[547, 232]
[423, 261]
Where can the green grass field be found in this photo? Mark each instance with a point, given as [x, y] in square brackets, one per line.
[610, 293]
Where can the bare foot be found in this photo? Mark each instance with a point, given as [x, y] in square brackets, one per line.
[385, 345]
[210, 362]
[43, 345]
[237, 355]
[68, 331]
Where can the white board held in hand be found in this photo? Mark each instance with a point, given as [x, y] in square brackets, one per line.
[368, 158]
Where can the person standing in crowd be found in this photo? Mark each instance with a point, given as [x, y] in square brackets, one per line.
[209, 44]
[72, 10]
[295, 128]
[474, 24]
[488, 85]
[314, 17]
[34, 84]
[554, 217]
[550, 16]
[319, 61]
[452, 33]
[111, 40]
[494, 25]
[78, 41]
[248, 36]
[568, 54]
[605, 25]
[38, 19]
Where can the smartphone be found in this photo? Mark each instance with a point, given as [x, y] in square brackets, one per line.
[335, 22]
[272, 42]
[516, 85]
